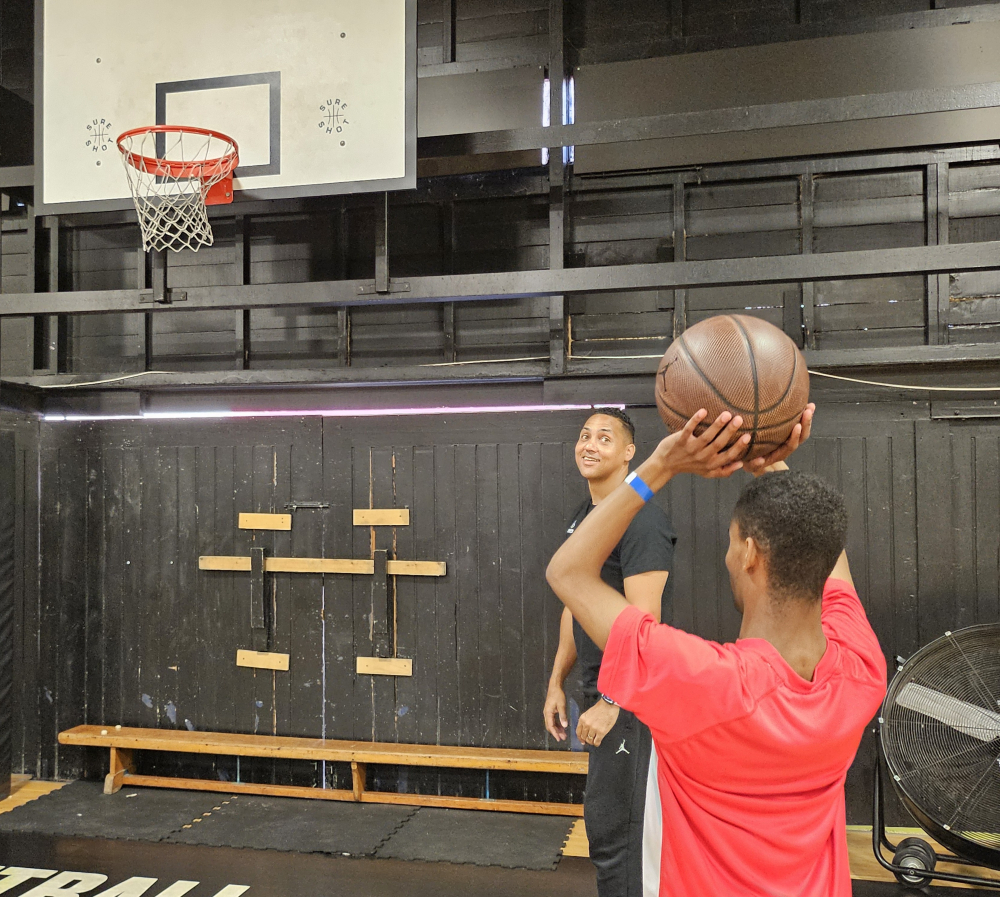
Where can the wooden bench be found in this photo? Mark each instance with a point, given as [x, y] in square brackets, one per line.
[124, 742]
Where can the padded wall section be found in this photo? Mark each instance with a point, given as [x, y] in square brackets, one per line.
[6, 605]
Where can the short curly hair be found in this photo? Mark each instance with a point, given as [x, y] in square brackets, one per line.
[800, 523]
[619, 415]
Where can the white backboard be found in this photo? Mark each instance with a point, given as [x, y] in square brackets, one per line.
[320, 95]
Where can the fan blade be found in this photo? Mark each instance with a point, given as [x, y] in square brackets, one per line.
[960, 715]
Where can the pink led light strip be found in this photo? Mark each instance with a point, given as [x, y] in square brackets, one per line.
[329, 412]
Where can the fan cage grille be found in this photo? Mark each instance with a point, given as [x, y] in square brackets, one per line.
[940, 733]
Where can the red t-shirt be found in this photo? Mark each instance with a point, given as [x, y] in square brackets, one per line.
[750, 758]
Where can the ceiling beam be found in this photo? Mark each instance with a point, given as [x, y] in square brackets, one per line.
[736, 119]
[949, 258]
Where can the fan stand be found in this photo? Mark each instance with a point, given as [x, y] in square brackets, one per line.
[907, 874]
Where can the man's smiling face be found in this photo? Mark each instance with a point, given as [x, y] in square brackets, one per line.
[604, 447]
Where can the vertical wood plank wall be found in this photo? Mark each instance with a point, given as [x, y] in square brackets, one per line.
[117, 624]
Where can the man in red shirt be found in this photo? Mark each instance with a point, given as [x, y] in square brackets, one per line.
[752, 740]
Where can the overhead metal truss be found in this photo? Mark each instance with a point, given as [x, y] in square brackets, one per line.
[512, 284]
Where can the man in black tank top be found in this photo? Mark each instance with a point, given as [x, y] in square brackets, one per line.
[619, 745]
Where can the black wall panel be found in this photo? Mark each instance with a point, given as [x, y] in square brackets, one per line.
[8, 602]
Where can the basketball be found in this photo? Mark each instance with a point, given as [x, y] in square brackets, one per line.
[740, 364]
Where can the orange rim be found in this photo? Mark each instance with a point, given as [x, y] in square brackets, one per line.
[208, 169]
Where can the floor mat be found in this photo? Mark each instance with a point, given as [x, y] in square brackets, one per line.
[81, 809]
[305, 826]
[485, 838]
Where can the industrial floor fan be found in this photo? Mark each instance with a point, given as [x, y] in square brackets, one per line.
[939, 731]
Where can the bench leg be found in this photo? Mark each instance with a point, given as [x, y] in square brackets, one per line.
[121, 764]
[358, 778]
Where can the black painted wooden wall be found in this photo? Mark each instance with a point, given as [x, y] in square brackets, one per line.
[8, 601]
[121, 626]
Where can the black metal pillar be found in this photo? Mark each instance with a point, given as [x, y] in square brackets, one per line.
[936, 196]
[241, 262]
[807, 192]
[448, 31]
[558, 71]
[680, 251]
[382, 244]
[343, 252]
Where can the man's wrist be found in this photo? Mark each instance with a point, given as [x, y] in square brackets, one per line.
[655, 473]
[639, 486]
[608, 700]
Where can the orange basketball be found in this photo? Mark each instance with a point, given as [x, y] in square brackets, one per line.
[740, 364]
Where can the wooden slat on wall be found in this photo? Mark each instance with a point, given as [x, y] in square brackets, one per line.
[445, 509]
[616, 227]
[338, 597]
[502, 234]
[957, 495]
[25, 742]
[765, 301]
[974, 215]
[874, 210]
[16, 276]
[376, 334]
[300, 599]
[878, 311]
[467, 566]
[737, 220]
[421, 540]
[15, 273]
[514, 30]
[973, 203]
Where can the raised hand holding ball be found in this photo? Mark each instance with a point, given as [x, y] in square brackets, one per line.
[740, 364]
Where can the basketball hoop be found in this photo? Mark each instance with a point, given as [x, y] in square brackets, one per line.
[174, 172]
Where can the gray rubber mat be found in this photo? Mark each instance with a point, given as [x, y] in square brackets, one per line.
[81, 809]
[305, 826]
[484, 838]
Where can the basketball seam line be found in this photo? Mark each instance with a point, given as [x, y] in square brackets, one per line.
[756, 385]
[791, 380]
[727, 402]
[701, 373]
[680, 414]
[771, 426]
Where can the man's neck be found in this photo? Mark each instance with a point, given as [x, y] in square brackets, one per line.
[603, 488]
[794, 628]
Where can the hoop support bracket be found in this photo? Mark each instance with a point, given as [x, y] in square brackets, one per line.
[148, 297]
[395, 286]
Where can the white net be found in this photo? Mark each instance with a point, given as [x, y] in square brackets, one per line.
[170, 172]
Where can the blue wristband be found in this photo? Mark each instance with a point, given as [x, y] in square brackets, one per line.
[645, 493]
[608, 700]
